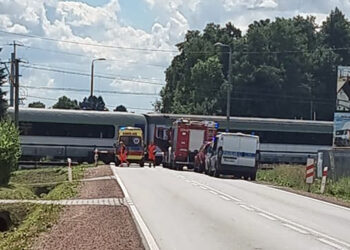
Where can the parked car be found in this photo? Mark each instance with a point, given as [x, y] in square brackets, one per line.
[199, 160]
[233, 153]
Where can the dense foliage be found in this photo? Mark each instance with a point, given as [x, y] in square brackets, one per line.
[9, 150]
[93, 103]
[66, 103]
[38, 105]
[284, 68]
[3, 102]
[121, 108]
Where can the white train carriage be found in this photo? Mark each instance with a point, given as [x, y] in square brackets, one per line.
[58, 134]
[282, 140]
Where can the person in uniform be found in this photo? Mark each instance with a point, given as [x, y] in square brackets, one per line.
[152, 154]
[123, 154]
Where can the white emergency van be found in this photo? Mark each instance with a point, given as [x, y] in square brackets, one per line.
[234, 154]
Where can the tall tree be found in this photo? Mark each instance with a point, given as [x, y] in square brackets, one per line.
[38, 105]
[66, 103]
[121, 108]
[335, 33]
[3, 102]
[93, 103]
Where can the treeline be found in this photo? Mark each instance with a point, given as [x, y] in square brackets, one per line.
[284, 68]
[88, 103]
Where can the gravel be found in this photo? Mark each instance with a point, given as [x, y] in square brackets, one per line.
[100, 189]
[94, 227]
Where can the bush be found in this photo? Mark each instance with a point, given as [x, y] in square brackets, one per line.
[9, 150]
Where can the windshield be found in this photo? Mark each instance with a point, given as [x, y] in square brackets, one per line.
[131, 141]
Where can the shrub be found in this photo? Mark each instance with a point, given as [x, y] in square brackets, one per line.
[9, 150]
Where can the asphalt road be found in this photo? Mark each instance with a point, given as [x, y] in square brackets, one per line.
[185, 210]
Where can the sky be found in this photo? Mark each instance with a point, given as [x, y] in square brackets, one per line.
[59, 39]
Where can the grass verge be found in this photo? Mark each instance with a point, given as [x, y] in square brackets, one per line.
[29, 220]
[293, 176]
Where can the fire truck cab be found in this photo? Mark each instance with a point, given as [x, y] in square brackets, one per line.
[186, 137]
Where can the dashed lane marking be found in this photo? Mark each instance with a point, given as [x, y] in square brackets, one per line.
[266, 216]
[326, 239]
[331, 244]
[246, 207]
[224, 197]
[204, 188]
[295, 228]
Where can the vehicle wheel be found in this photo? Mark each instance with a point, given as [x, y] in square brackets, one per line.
[142, 164]
[253, 176]
[217, 172]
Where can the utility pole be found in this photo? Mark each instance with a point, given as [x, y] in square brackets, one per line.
[92, 74]
[16, 91]
[12, 74]
[228, 98]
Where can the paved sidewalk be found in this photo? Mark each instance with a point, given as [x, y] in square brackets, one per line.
[75, 202]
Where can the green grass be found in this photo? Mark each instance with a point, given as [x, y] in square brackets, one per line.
[30, 220]
[293, 176]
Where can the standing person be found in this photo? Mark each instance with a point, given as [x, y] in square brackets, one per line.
[151, 154]
[123, 154]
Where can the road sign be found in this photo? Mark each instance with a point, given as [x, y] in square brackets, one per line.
[310, 166]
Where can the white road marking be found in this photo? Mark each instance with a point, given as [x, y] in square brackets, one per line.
[304, 227]
[305, 197]
[224, 197]
[213, 192]
[152, 245]
[246, 207]
[188, 181]
[267, 216]
[295, 228]
[330, 243]
[202, 187]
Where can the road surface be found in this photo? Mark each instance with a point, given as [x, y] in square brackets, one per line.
[185, 210]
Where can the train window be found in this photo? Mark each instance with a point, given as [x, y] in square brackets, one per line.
[66, 130]
[279, 137]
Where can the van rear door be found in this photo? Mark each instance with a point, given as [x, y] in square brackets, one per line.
[230, 147]
[248, 148]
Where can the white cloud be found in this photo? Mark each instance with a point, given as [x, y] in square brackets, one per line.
[79, 22]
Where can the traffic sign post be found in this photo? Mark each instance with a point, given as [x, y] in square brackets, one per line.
[324, 179]
[310, 167]
[70, 176]
[96, 157]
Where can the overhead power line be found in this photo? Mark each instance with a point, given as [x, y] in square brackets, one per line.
[87, 90]
[88, 56]
[88, 44]
[104, 74]
[88, 75]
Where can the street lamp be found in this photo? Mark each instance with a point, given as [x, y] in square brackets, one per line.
[92, 74]
[229, 84]
[310, 94]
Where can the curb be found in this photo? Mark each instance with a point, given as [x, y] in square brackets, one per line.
[141, 225]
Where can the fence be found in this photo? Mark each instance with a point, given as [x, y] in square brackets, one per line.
[337, 160]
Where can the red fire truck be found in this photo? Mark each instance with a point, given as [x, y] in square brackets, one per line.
[186, 137]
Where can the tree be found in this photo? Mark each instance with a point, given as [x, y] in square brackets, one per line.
[3, 102]
[335, 34]
[9, 150]
[282, 68]
[66, 103]
[93, 103]
[38, 105]
[121, 108]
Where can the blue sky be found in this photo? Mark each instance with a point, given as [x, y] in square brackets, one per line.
[138, 24]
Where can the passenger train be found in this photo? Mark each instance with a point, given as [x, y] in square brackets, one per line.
[59, 134]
